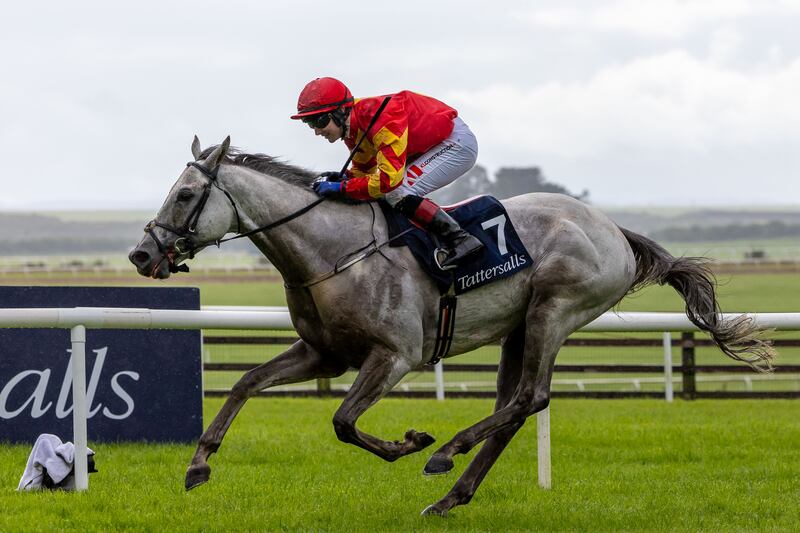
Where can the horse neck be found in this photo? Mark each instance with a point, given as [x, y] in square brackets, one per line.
[306, 246]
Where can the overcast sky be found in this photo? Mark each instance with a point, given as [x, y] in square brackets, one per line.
[642, 102]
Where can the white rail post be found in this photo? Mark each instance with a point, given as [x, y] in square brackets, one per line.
[543, 446]
[667, 342]
[438, 371]
[78, 337]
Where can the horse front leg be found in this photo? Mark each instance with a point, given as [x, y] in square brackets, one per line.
[299, 363]
[379, 373]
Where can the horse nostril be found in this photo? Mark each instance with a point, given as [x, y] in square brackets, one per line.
[139, 257]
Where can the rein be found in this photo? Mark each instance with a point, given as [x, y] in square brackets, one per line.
[284, 220]
[348, 260]
[185, 243]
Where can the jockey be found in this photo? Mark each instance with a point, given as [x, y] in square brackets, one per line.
[416, 146]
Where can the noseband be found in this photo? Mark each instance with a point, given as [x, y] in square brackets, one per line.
[186, 244]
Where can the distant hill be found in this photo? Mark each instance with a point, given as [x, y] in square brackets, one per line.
[73, 233]
[647, 221]
[117, 232]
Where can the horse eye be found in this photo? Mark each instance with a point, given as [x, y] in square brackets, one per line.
[185, 194]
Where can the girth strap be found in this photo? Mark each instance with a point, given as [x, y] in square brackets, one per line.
[445, 325]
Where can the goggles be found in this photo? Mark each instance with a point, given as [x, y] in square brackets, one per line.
[318, 121]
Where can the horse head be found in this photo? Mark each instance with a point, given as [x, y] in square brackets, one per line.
[197, 212]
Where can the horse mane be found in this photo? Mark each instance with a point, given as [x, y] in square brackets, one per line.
[266, 164]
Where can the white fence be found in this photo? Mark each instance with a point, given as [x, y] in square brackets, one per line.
[79, 318]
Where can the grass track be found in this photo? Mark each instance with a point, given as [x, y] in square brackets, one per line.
[617, 466]
[737, 292]
[626, 465]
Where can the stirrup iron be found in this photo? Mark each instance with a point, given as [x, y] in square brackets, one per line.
[440, 255]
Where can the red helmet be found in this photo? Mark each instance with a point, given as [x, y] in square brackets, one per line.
[322, 95]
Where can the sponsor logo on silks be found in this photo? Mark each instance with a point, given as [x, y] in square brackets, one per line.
[444, 150]
[483, 276]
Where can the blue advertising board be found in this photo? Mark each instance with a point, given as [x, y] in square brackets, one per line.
[142, 385]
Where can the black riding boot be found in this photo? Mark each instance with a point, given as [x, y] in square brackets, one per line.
[456, 243]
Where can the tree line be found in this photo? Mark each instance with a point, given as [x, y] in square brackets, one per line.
[506, 182]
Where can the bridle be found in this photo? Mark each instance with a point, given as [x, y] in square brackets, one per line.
[186, 243]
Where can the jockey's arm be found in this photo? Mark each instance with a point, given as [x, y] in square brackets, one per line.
[390, 159]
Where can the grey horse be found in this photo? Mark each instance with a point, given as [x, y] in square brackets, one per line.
[379, 315]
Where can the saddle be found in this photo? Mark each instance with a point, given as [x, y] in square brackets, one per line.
[503, 253]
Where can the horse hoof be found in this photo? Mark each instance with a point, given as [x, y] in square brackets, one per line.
[432, 510]
[421, 440]
[196, 475]
[438, 464]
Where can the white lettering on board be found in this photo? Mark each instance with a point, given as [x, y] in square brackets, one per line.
[36, 400]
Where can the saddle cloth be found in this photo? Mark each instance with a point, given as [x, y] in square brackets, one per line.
[503, 253]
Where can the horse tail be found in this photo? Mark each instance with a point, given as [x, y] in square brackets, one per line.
[739, 338]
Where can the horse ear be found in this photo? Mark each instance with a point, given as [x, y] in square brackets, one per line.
[196, 150]
[219, 153]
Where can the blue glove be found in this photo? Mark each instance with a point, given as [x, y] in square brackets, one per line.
[328, 188]
[334, 175]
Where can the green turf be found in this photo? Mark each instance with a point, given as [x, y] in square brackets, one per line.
[736, 293]
[627, 465]
[253, 293]
[773, 293]
[631, 465]
[749, 292]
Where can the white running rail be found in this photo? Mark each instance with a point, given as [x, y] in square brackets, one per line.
[78, 319]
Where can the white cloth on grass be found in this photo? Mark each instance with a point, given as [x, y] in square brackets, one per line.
[50, 454]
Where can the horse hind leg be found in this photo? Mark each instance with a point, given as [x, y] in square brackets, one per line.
[379, 373]
[508, 377]
[546, 328]
[299, 363]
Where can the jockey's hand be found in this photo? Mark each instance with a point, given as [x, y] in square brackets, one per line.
[334, 175]
[328, 188]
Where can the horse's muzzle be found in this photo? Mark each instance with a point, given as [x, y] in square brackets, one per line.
[149, 266]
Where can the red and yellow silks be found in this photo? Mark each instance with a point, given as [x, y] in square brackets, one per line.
[410, 125]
